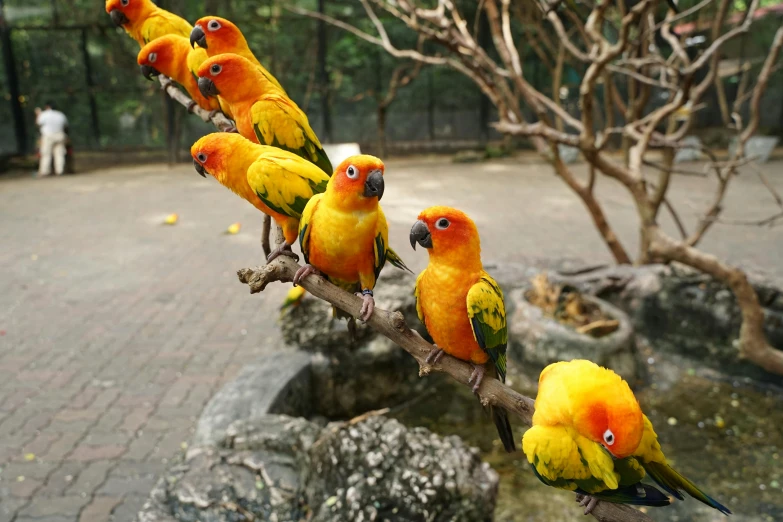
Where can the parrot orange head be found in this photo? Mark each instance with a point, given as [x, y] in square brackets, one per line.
[447, 233]
[230, 76]
[218, 35]
[215, 153]
[123, 12]
[159, 55]
[613, 419]
[358, 182]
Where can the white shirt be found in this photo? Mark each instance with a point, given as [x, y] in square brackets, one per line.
[51, 122]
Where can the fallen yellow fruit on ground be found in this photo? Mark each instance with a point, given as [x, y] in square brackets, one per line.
[234, 228]
[171, 219]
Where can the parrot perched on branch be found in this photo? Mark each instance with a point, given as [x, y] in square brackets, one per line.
[590, 436]
[144, 21]
[172, 55]
[343, 232]
[459, 303]
[219, 36]
[276, 182]
[262, 113]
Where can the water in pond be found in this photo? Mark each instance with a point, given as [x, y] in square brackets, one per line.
[725, 436]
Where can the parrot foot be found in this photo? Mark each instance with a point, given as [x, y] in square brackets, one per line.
[213, 113]
[435, 355]
[477, 376]
[232, 129]
[282, 250]
[191, 107]
[587, 502]
[304, 272]
[368, 305]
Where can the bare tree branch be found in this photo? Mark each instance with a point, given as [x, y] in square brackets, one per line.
[217, 118]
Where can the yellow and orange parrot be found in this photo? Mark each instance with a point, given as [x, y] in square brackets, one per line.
[262, 113]
[590, 436]
[220, 36]
[459, 303]
[172, 55]
[276, 182]
[343, 232]
[144, 21]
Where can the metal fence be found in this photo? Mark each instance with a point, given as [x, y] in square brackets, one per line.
[67, 51]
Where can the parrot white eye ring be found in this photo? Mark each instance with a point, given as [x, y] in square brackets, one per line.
[201, 157]
[215, 69]
[124, 2]
[609, 437]
[152, 57]
[352, 172]
[442, 224]
[213, 25]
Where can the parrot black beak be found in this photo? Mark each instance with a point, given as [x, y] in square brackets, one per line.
[118, 17]
[148, 71]
[420, 234]
[207, 87]
[200, 168]
[197, 36]
[373, 187]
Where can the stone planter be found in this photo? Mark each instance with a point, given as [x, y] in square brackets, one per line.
[536, 340]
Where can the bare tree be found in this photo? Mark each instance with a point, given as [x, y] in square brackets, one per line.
[609, 44]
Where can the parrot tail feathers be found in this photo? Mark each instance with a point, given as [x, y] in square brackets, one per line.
[393, 258]
[500, 418]
[636, 494]
[674, 483]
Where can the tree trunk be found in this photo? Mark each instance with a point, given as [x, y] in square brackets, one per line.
[382, 113]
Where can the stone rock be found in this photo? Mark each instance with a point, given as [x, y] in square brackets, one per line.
[283, 469]
[380, 470]
[353, 375]
[690, 151]
[685, 312]
[536, 340]
[279, 384]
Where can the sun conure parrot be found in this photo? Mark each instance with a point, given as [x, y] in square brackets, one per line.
[262, 113]
[459, 303]
[144, 21]
[276, 182]
[590, 436]
[220, 36]
[172, 55]
[343, 232]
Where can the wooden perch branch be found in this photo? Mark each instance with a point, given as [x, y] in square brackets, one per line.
[392, 325]
[218, 118]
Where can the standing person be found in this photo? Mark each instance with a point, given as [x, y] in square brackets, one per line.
[53, 126]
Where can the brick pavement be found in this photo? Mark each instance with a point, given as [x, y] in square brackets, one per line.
[115, 330]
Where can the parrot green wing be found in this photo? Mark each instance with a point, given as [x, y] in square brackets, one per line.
[285, 182]
[487, 315]
[305, 225]
[279, 122]
[416, 294]
[381, 249]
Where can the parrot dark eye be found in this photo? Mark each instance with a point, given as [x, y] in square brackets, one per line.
[124, 2]
[213, 25]
[215, 69]
[609, 437]
[442, 224]
[352, 172]
[152, 57]
[201, 157]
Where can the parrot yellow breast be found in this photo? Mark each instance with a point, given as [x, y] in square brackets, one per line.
[159, 23]
[442, 296]
[342, 243]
